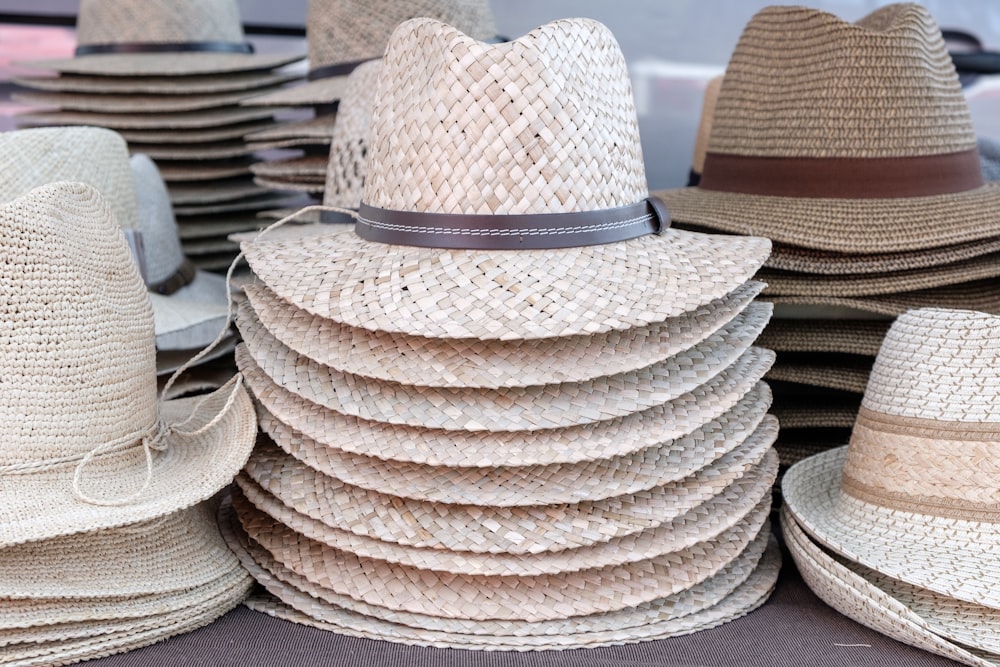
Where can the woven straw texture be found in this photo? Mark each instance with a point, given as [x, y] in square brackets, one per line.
[151, 85]
[860, 599]
[129, 103]
[195, 136]
[708, 103]
[820, 373]
[473, 363]
[217, 195]
[345, 173]
[213, 151]
[793, 415]
[318, 130]
[802, 83]
[803, 260]
[177, 120]
[292, 184]
[844, 336]
[305, 168]
[981, 295]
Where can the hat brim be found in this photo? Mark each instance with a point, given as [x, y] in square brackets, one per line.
[858, 598]
[862, 337]
[210, 151]
[173, 171]
[304, 227]
[844, 225]
[197, 135]
[146, 85]
[952, 557]
[383, 287]
[293, 184]
[320, 127]
[306, 94]
[41, 504]
[819, 374]
[180, 120]
[474, 363]
[803, 260]
[129, 103]
[207, 246]
[201, 194]
[163, 64]
[293, 168]
[168, 361]
[182, 325]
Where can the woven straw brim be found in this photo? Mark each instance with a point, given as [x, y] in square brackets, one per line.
[790, 258]
[210, 151]
[861, 600]
[180, 120]
[309, 93]
[207, 246]
[293, 185]
[830, 376]
[260, 511]
[844, 225]
[200, 379]
[306, 143]
[202, 194]
[318, 128]
[203, 170]
[183, 324]
[730, 594]
[40, 503]
[981, 295]
[382, 287]
[513, 530]
[163, 64]
[129, 103]
[196, 216]
[168, 361]
[301, 168]
[570, 445]
[863, 337]
[530, 485]
[822, 414]
[290, 232]
[167, 554]
[208, 227]
[804, 284]
[952, 557]
[473, 363]
[195, 136]
[148, 85]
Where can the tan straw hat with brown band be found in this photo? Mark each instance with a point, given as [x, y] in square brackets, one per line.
[137, 38]
[432, 251]
[913, 496]
[86, 443]
[804, 149]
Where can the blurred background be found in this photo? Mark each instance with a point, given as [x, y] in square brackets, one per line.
[673, 48]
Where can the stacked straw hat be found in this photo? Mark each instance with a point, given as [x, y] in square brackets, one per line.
[170, 77]
[108, 538]
[874, 208]
[341, 35]
[899, 528]
[189, 305]
[510, 408]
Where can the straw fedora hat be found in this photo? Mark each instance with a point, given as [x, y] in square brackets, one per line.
[704, 127]
[912, 496]
[136, 38]
[401, 269]
[809, 154]
[342, 34]
[87, 445]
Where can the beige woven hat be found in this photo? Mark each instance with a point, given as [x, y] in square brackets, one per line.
[216, 120]
[805, 260]
[566, 212]
[345, 173]
[708, 102]
[86, 444]
[147, 85]
[833, 371]
[844, 336]
[913, 495]
[342, 34]
[136, 38]
[128, 102]
[804, 150]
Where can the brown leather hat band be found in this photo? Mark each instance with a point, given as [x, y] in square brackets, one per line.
[843, 178]
[182, 277]
[165, 47]
[512, 232]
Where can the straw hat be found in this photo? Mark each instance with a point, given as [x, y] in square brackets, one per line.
[129, 102]
[804, 149]
[804, 260]
[345, 173]
[205, 119]
[193, 84]
[314, 131]
[845, 336]
[197, 135]
[913, 495]
[833, 371]
[342, 34]
[391, 277]
[704, 127]
[136, 38]
[87, 445]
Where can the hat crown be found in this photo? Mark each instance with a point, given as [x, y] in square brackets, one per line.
[804, 83]
[77, 356]
[345, 172]
[161, 246]
[344, 31]
[158, 21]
[543, 124]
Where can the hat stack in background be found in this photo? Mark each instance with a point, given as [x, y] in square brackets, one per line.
[543, 428]
[898, 530]
[342, 34]
[873, 208]
[170, 77]
[189, 305]
[107, 532]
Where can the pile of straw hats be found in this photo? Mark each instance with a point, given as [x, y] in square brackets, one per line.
[107, 533]
[189, 305]
[341, 35]
[510, 408]
[899, 529]
[873, 207]
[170, 77]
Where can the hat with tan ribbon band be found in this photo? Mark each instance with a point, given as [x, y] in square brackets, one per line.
[812, 155]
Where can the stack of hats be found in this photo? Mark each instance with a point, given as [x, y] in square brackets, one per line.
[108, 538]
[170, 77]
[510, 408]
[874, 208]
[899, 529]
[189, 305]
[341, 35]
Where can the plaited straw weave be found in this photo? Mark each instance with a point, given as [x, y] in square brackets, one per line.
[457, 448]
[195, 136]
[803, 260]
[474, 363]
[981, 295]
[177, 120]
[858, 598]
[805, 284]
[292, 184]
[831, 415]
[345, 173]
[749, 494]
[73, 293]
[530, 485]
[306, 168]
[862, 337]
[802, 83]
[318, 129]
[519, 530]
[821, 374]
[130, 102]
[150, 85]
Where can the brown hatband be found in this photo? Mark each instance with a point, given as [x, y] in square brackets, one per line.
[183, 276]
